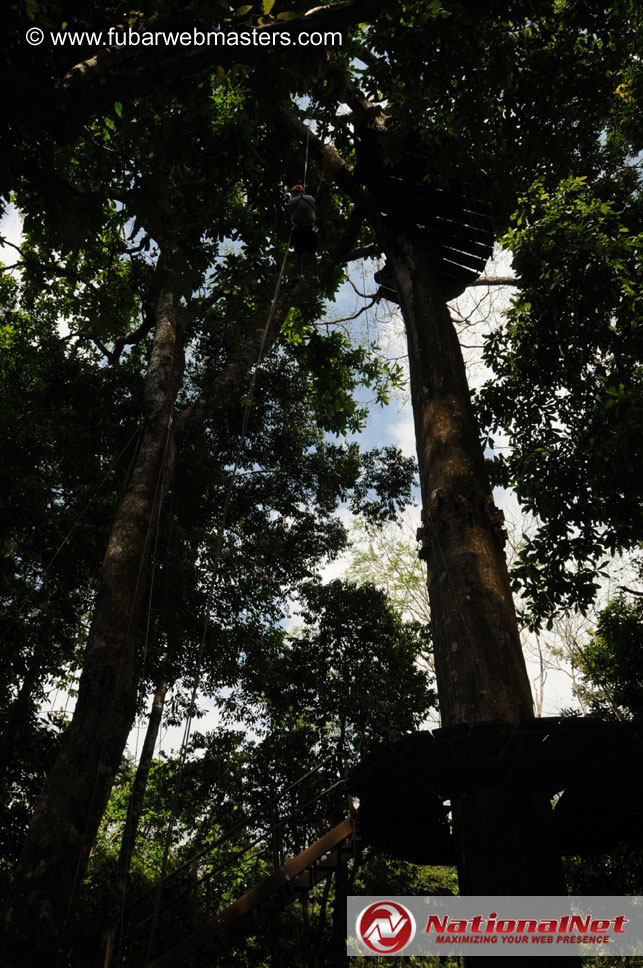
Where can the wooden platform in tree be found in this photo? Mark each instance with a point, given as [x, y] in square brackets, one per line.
[453, 219]
[595, 765]
[272, 895]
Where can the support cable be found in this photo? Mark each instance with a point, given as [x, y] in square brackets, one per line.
[254, 843]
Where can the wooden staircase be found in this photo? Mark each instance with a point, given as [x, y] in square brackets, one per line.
[272, 895]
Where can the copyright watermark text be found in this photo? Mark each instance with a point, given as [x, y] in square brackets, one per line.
[119, 37]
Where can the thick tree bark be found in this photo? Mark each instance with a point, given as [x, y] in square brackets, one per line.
[134, 811]
[505, 839]
[480, 667]
[70, 808]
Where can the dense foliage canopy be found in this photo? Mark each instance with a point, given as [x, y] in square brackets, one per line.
[168, 410]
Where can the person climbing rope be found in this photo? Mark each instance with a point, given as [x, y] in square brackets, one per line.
[302, 211]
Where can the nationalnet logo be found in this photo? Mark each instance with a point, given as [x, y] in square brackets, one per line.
[386, 927]
[447, 925]
[569, 929]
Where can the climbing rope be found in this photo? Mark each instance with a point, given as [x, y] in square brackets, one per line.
[306, 158]
[213, 578]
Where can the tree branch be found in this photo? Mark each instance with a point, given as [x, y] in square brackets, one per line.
[231, 377]
[149, 300]
[98, 343]
[132, 339]
[116, 71]
[345, 319]
[370, 251]
[496, 281]
[364, 295]
[30, 260]
[331, 162]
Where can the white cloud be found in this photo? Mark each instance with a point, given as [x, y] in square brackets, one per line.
[10, 232]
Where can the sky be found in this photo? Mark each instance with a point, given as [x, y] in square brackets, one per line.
[11, 230]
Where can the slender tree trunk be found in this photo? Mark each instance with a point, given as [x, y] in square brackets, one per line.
[67, 815]
[339, 913]
[505, 839]
[134, 811]
[19, 714]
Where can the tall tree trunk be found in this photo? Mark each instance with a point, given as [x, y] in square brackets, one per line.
[505, 840]
[67, 815]
[480, 667]
[134, 811]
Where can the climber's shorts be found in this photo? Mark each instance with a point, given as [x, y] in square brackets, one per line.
[304, 239]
